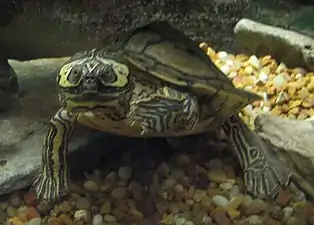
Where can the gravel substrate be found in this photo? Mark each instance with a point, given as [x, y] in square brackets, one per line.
[189, 188]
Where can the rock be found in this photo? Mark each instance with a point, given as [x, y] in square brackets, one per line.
[15, 200]
[293, 145]
[125, 173]
[105, 207]
[296, 221]
[32, 213]
[255, 220]
[54, 221]
[256, 207]
[221, 217]
[11, 211]
[16, 221]
[83, 203]
[220, 200]
[110, 218]
[290, 47]
[81, 215]
[97, 220]
[35, 221]
[276, 212]
[287, 212]
[91, 186]
[66, 219]
[247, 200]
[119, 193]
[214, 164]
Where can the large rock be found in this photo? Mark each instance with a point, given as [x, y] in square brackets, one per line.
[288, 46]
[293, 143]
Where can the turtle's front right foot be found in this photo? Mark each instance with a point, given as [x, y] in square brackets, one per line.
[266, 177]
[46, 188]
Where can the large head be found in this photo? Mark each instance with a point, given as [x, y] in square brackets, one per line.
[90, 80]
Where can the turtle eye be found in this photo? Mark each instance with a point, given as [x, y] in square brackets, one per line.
[75, 76]
[108, 76]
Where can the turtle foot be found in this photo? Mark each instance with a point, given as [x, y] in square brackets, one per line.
[267, 180]
[48, 190]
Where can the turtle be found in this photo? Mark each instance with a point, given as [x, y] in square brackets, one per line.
[153, 81]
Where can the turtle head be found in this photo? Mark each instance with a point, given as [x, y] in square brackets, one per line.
[89, 82]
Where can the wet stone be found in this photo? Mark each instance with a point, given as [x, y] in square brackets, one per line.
[83, 203]
[119, 193]
[257, 206]
[276, 212]
[125, 173]
[35, 221]
[220, 200]
[66, 219]
[97, 220]
[81, 215]
[15, 200]
[91, 186]
[110, 218]
[105, 207]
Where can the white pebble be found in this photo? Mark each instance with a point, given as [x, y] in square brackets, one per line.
[81, 215]
[263, 77]
[235, 191]
[229, 62]
[236, 65]
[220, 200]
[207, 220]
[265, 96]
[247, 199]
[226, 186]
[266, 109]
[222, 55]
[281, 68]
[298, 75]
[248, 70]
[180, 221]
[248, 88]
[254, 62]
[225, 69]
[279, 81]
[287, 211]
[98, 219]
[232, 74]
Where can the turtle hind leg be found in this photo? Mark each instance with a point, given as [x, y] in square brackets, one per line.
[52, 182]
[166, 111]
[264, 174]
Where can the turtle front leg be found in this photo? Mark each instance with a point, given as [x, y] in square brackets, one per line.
[52, 182]
[166, 111]
[264, 174]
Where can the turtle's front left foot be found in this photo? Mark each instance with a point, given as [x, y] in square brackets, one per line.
[46, 188]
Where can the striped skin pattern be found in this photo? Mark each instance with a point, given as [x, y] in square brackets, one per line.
[263, 175]
[156, 82]
[53, 179]
[168, 110]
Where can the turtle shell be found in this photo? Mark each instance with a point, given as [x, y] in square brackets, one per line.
[166, 53]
